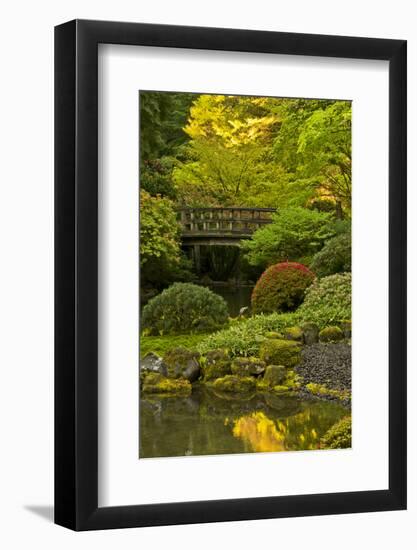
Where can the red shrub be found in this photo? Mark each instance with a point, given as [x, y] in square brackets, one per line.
[281, 287]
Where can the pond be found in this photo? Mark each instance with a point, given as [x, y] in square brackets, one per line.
[207, 423]
[236, 296]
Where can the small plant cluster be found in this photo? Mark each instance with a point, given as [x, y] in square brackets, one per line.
[184, 307]
[281, 288]
[339, 436]
[245, 338]
[328, 301]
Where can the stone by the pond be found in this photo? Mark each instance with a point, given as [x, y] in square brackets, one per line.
[234, 383]
[346, 327]
[280, 352]
[182, 363]
[216, 364]
[331, 334]
[153, 363]
[214, 356]
[248, 366]
[293, 333]
[159, 384]
[274, 375]
[310, 333]
[273, 334]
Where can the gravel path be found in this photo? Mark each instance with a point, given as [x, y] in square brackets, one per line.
[328, 364]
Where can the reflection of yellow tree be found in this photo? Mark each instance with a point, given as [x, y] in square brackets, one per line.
[266, 435]
[260, 432]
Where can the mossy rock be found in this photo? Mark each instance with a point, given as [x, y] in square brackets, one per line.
[235, 384]
[280, 352]
[182, 363]
[216, 355]
[274, 375]
[331, 334]
[158, 384]
[346, 327]
[294, 333]
[215, 364]
[273, 334]
[248, 366]
[216, 370]
[310, 333]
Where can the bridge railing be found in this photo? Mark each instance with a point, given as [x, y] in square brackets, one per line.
[228, 220]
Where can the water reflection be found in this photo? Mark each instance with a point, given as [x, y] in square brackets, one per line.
[209, 424]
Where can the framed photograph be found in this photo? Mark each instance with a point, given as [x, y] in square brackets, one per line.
[230, 252]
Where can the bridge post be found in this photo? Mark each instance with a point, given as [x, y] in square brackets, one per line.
[197, 257]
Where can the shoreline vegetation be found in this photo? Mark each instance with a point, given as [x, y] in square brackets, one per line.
[245, 268]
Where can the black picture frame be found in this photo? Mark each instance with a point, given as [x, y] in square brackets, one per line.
[76, 272]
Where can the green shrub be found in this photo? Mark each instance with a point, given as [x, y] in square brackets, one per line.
[328, 300]
[281, 287]
[244, 338]
[280, 352]
[334, 257]
[331, 334]
[184, 307]
[294, 233]
[339, 436]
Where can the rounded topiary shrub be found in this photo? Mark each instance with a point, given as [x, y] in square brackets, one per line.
[328, 300]
[281, 287]
[184, 307]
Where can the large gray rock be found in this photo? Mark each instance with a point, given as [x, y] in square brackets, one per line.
[153, 363]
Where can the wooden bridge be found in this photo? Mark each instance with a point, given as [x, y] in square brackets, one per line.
[219, 227]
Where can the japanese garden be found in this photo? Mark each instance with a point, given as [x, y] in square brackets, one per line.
[245, 274]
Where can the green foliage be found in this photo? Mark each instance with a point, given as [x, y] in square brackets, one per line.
[155, 177]
[184, 307]
[160, 253]
[334, 257]
[280, 352]
[328, 300]
[281, 288]
[339, 436]
[314, 143]
[245, 338]
[161, 344]
[162, 118]
[294, 233]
